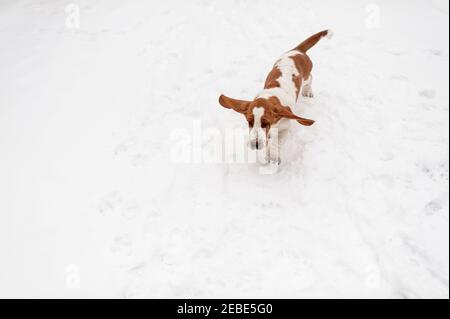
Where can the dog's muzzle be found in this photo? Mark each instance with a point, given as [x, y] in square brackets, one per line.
[256, 145]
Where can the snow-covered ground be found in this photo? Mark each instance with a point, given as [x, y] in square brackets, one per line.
[93, 205]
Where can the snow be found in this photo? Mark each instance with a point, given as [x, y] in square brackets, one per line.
[92, 205]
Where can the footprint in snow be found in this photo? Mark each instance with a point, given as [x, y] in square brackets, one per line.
[387, 180]
[110, 203]
[436, 52]
[122, 244]
[387, 156]
[125, 146]
[427, 93]
[432, 208]
[435, 172]
[396, 51]
[130, 209]
[140, 160]
[270, 205]
[114, 202]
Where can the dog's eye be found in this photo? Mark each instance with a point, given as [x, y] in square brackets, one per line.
[264, 124]
[251, 122]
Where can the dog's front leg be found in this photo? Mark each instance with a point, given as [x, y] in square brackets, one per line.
[307, 88]
[273, 151]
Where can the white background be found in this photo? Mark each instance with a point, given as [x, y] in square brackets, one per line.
[92, 206]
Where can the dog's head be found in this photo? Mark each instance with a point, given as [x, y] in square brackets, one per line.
[262, 114]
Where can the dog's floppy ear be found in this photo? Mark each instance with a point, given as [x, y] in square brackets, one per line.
[237, 105]
[284, 111]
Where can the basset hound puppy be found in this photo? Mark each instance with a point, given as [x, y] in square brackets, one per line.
[270, 112]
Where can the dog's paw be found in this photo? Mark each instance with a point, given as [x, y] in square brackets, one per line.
[274, 161]
[271, 167]
[309, 94]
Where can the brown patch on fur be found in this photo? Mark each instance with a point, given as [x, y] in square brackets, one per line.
[279, 111]
[237, 105]
[272, 79]
[311, 41]
[298, 83]
[303, 64]
[273, 111]
[269, 117]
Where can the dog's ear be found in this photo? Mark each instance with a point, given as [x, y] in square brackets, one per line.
[237, 105]
[286, 112]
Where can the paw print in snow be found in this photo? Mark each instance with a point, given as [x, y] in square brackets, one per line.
[115, 203]
[140, 160]
[130, 209]
[122, 244]
[110, 203]
[432, 208]
[427, 93]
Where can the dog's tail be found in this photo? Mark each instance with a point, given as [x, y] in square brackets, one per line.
[312, 40]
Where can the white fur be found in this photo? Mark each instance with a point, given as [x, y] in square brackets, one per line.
[258, 112]
[255, 132]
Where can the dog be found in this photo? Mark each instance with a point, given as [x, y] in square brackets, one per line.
[270, 113]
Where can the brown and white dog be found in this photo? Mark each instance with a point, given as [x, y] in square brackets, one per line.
[271, 111]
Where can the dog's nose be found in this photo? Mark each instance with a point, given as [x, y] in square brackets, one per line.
[254, 144]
